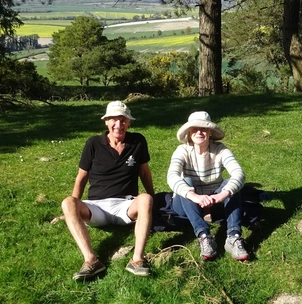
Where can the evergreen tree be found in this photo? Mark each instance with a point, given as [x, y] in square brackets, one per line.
[9, 20]
[81, 52]
[70, 55]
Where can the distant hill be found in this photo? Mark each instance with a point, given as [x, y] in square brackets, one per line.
[109, 3]
[87, 2]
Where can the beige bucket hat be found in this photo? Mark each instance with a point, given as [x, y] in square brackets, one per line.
[117, 108]
[202, 120]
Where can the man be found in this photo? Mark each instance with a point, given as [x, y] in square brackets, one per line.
[112, 163]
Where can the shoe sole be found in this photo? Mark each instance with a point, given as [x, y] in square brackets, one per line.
[242, 258]
[86, 277]
[209, 257]
[137, 273]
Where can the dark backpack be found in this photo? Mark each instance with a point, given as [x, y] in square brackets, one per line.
[166, 219]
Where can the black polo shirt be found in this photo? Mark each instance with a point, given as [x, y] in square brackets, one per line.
[111, 174]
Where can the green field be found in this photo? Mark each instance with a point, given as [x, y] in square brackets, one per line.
[63, 15]
[63, 12]
[44, 31]
[177, 43]
[38, 259]
[43, 21]
[50, 15]
[120, 15]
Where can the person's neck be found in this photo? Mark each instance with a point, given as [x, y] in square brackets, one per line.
[116, 144]
[201, 149]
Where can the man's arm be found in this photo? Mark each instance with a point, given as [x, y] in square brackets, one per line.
[80, 183]
[146, 178]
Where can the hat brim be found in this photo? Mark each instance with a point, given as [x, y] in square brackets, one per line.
[216, 132]
[117, 113]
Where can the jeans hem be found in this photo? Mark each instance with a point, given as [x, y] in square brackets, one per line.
[234, 229]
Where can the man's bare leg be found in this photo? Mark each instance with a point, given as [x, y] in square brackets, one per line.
[76, 214]
[141, 211]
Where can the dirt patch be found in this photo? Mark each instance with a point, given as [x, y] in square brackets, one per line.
[163, 25]
[38, 57]
[287, 299]
[45, 41]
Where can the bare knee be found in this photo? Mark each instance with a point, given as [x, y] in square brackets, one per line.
[145, 202]
[70, 205]
[73, 206]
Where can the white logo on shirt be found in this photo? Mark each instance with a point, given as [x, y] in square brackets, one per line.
[130, 161]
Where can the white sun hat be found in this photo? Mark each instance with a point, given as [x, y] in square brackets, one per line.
[117, 108]
[200, 120]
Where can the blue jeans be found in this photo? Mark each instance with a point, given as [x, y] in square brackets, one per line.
[186, 208]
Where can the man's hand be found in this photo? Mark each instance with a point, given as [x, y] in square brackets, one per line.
[54, 220]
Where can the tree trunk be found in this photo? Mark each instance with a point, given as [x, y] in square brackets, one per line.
[291, 44]
[210, 81]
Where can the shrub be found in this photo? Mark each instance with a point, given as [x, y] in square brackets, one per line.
[22, 79]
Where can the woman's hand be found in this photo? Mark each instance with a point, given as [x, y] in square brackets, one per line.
[221, 196]
[201, 200]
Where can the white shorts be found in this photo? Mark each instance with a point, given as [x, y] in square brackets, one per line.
[109, 211]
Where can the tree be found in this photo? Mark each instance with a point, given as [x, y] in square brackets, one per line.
[173, 74]
[113, 62]
[210, 81]
[210, 38]
[291, 43]
[253, 34]
[22, 79]
[81, 52]
[9, 20]
[69, 56]
[267, 32]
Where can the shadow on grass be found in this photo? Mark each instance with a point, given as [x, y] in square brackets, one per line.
[22, 127]
[113, 243]
[271, 219]
[274, 218]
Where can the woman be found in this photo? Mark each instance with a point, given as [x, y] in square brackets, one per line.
[195, 176]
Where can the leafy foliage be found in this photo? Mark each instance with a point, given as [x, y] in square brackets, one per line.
[173, 72]
[245, 79]
[253, 33]
[114, 63]
[69, 56]
[9, 20]
[22, 79]
[81, 52]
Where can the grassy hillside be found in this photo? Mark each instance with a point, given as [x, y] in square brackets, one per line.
[38, 259]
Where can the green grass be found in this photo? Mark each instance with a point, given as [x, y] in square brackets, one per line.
[38, 259]
[170, 43]
[44, 31]
[29, 53]
[41, 67]
[43, 22]
[50, 15]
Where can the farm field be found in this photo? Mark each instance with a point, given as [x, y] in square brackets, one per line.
[163, 44]
[44, 20]
[45, 28]
[36, 29]
[145, 36]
